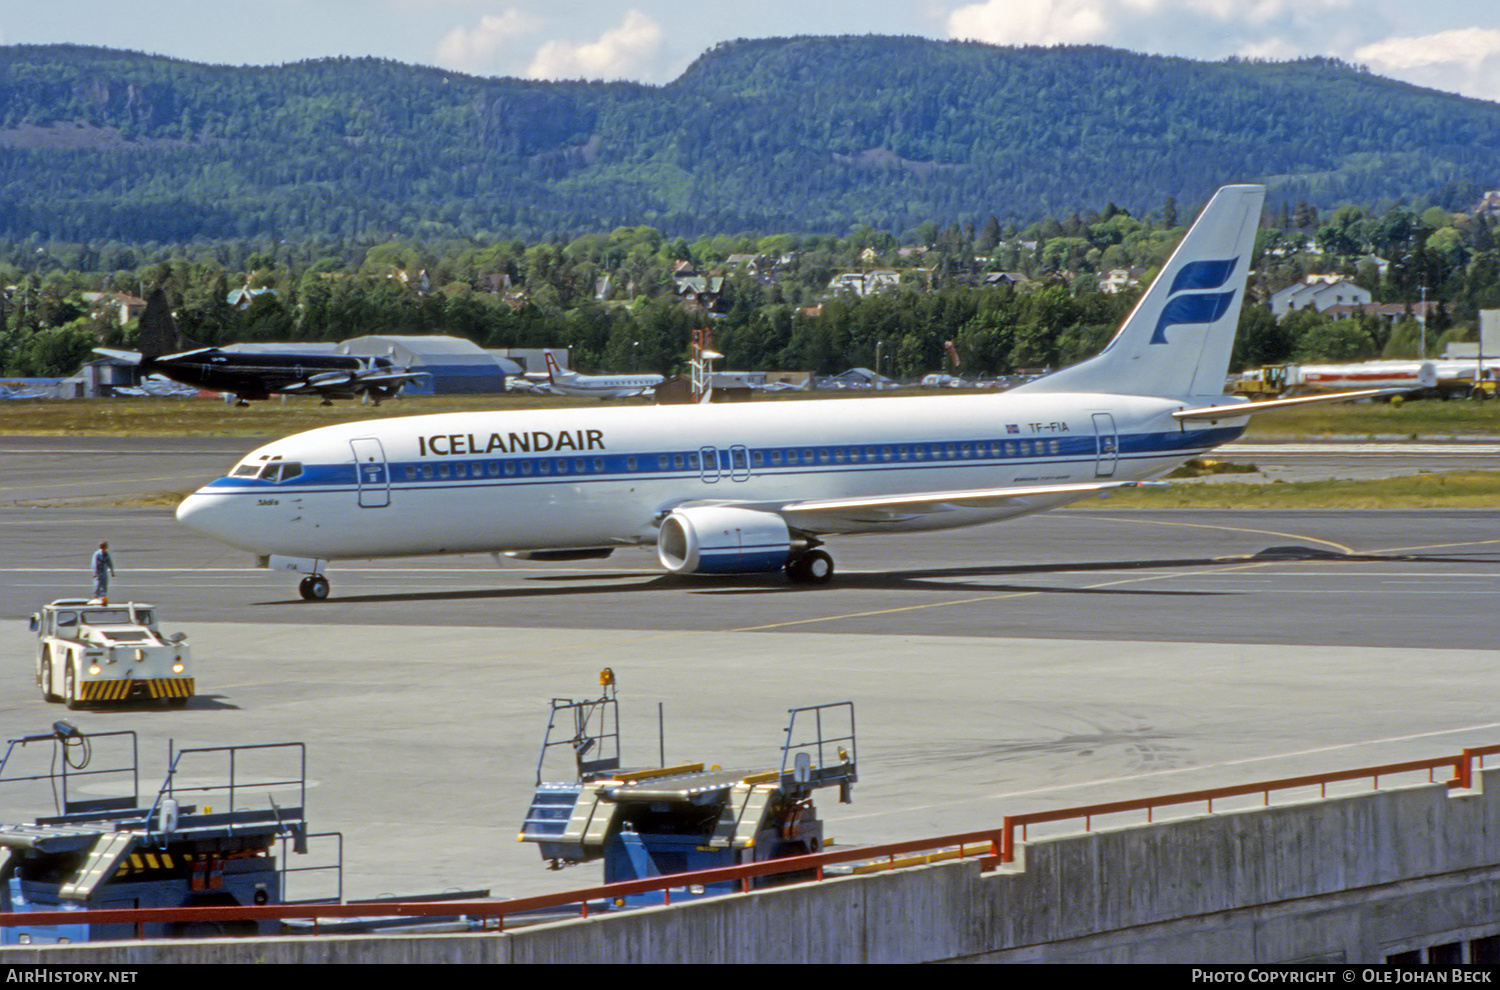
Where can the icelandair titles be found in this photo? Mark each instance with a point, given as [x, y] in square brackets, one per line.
[533, 442]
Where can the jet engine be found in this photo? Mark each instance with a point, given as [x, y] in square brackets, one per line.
[718, 539]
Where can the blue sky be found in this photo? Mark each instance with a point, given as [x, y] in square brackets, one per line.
[1453, 45]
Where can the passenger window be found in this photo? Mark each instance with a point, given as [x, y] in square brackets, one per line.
[510, 469]
[444, 472]
[776, 458]
[543, 467]
[677, 461]
[525, 467]
[426, 472]
[824, 456]
[411, 472]
[791, 457]
[493, 469]
[598, 464]
[838, 455]
[460, 470]
[630, 463]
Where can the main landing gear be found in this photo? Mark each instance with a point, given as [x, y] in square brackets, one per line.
[314, 587]
[812, 567]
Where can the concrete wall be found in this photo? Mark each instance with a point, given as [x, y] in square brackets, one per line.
[1349, 879]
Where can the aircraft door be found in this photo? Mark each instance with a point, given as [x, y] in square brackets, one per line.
[1107, 445]
[739, 462]
[708, 464]
[371, 473]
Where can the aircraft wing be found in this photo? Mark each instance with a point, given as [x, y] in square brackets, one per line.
[833, 514]
[391, 377]
[342, 383]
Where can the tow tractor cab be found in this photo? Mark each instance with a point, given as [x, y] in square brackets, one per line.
[88, 652]
[215, 834]
[655, 821]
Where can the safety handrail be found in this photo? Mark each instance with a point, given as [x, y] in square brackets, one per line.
[997, 845]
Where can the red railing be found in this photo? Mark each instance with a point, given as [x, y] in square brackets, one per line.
[996, 845]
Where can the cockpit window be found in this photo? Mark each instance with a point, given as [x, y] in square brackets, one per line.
[246, 471]
[279, 471]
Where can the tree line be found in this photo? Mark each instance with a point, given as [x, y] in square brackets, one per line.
[614, 298]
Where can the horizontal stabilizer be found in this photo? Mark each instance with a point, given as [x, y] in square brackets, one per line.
[1234, 410]
[129, 357]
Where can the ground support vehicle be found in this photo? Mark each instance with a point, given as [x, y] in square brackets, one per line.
[659, 820]
[118, 852]
[89, 652]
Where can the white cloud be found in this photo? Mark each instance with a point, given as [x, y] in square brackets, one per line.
[1031, 22]
[621, 52]
[475, 49]
[1147, 25]
[1464, 61]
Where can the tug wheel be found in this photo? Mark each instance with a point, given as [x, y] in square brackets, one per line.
[70, 689]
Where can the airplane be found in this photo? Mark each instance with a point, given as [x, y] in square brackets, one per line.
[600, 386]
[735, 489]
[257, 376]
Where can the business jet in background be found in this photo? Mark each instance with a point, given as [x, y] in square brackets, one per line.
[729, 489]
[599, 386]
[257, 375]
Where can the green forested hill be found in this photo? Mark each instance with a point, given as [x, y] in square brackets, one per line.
[793, 134]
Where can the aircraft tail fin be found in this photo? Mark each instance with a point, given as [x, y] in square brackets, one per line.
[159, 334]
[553, 371]
[1177, 340]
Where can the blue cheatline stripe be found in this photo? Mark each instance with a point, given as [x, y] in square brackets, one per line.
[1038, 452]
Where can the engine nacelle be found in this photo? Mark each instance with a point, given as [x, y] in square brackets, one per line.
[723, 540]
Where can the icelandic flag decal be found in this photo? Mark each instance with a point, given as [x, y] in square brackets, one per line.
[1201, 307]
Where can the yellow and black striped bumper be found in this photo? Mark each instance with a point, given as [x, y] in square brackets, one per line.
[151, 687]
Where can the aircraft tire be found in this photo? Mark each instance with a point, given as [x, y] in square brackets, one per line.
[314, 587]
[817, 566]
[813, 567]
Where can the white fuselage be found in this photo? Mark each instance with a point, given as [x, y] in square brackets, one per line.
[576, 478]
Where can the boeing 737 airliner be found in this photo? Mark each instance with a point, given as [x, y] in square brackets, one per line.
[738, 489]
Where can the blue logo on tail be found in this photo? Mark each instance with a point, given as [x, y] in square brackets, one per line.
[1203, 307]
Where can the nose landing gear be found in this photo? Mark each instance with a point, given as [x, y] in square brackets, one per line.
[314, 587]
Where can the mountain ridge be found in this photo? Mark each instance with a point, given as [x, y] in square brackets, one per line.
[812, 134]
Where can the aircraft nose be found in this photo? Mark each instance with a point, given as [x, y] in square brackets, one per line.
[208, 513]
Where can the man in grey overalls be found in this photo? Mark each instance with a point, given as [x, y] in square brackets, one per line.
[104, 569]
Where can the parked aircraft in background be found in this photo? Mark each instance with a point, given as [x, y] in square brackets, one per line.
[754, 488]
[258, 375]
[600, 386]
